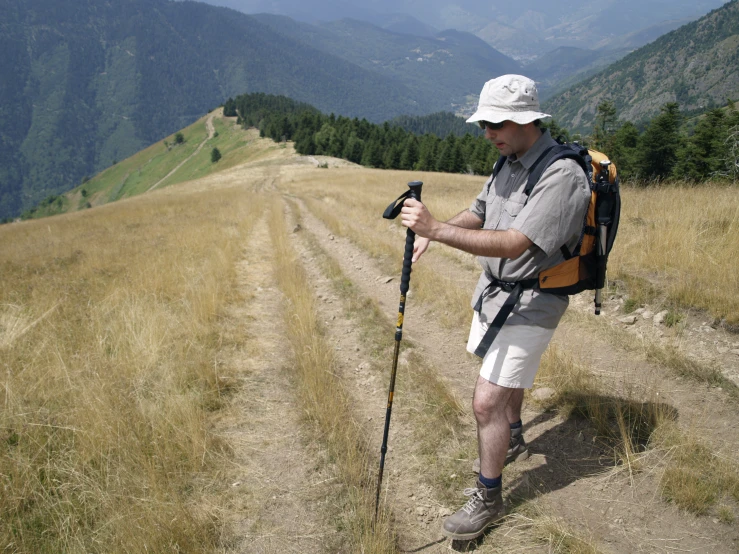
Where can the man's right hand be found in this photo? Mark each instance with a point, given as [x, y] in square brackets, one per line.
[419, 247]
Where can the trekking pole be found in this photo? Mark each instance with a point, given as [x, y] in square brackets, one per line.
[392, 211]
[606, 194]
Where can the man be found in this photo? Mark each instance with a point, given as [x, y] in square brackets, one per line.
[516, 237]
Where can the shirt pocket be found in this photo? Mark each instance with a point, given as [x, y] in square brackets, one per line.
[493, 210]
[511, 208]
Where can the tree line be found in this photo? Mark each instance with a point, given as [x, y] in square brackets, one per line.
[665, 147]
[668, 146]
[383, 146]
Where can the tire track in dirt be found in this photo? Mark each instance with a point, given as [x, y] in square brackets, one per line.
[577, 478]
[416, 511]
[279, 487]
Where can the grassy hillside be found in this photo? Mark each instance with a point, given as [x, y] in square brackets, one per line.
[142, 171]
[696, 65]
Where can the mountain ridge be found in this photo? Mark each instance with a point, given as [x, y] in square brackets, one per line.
[696, 65]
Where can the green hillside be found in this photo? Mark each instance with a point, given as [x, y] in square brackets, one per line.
[696, 66]
[151, 166]
[85, 84]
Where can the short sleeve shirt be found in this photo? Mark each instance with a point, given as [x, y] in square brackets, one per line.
[551, 217]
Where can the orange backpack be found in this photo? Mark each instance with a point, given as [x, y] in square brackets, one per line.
[585, 267]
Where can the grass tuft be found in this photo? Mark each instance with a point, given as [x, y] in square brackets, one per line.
[694, 479]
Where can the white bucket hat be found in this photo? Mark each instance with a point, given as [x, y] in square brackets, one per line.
[509, 97]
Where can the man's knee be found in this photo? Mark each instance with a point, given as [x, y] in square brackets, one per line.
[489, 399]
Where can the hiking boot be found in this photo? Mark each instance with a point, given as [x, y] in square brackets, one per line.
[517, 450]
[484, 508]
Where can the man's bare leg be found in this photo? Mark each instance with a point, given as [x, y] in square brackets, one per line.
[513, 408]
[490, 404]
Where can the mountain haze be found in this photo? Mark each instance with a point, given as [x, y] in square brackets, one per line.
[696, 65]
[442, 71]
[523, 30]
[88, 82]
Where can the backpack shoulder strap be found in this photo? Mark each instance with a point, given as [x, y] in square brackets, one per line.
[551, 155]
[498, 164]
[496, 169]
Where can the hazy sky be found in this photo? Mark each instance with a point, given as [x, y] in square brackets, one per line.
[469, 13]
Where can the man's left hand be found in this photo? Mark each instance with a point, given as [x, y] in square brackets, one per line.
[415, 216]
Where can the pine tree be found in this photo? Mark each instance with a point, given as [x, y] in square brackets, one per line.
[372, 155]
[605, 126]
[353, 149]
[704, 153]
[659, 144]
[427, 148]
[623, 151]
[410, 153]
[449, 160]
[215, 155]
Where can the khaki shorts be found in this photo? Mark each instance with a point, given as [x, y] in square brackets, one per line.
[514, 357]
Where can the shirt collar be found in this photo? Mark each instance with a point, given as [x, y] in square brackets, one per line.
[536, 150]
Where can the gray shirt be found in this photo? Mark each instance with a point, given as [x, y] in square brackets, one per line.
[552, 216]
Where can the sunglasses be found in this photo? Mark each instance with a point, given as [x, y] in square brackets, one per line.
[491, 126]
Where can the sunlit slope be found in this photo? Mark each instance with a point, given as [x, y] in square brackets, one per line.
[153, 166]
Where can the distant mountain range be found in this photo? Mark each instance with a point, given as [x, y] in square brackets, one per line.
[85, 83]
[523, 30]
[696, 65]
[443, 70]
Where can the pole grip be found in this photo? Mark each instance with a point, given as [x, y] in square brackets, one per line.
[410, 238]
[405, 278]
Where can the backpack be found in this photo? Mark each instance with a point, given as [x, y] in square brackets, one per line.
[585, 267]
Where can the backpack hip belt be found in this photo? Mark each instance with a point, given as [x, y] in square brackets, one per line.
[515, 290]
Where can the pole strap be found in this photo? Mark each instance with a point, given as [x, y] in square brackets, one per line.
[393, 210]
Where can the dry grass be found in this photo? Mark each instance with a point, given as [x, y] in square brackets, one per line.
[553, 531]
[447, 294]
[680, 239]
[668, 356]
[108, 328]
[325, 401]
[695, 478]
[622, 421]
[684, 239]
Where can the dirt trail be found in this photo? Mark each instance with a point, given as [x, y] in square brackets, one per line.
[211, 133]
[277, 487]
[575, 476]
[572, 476]
[404, 493]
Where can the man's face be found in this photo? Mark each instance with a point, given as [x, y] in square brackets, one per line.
[510, 139]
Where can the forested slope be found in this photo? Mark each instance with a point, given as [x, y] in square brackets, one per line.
[696, 66]
[85, 84]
